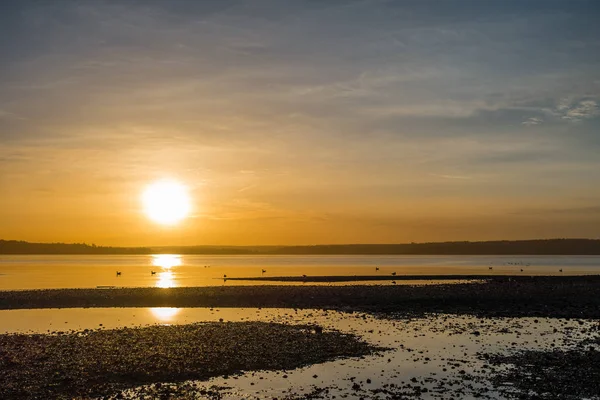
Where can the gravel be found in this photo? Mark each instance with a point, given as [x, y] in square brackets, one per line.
[104, 362]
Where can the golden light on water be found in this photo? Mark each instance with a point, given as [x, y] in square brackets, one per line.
[166, 202]
[165, 280]
[166, 260]
[164, 314]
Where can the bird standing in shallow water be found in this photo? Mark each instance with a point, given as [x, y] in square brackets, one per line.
[152, 272]
[118, 273]
[376, 268]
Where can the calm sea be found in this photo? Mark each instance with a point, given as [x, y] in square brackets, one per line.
[43, 272]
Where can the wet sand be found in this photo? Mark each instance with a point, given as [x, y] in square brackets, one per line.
[102, 362]
[498, 296]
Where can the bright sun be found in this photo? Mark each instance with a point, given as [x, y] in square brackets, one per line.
[166, 202]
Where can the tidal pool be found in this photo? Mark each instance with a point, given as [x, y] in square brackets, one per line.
[433, 357]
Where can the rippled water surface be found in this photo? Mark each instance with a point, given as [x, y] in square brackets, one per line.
[41, 272]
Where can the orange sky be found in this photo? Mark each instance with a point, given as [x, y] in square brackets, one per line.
[298, 123]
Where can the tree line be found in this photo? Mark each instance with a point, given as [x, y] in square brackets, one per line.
[500, 247]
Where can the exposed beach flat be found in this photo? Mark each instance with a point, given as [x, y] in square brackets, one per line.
[186, 355]
[101, 362]
[497, 296]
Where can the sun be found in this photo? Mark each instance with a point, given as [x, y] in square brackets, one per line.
[166, 202]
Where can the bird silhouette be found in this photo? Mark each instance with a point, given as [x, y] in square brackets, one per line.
[393, 274]
[152, 272]
[560, 270]
[393, 282]
[376, 268]
[491, 268]
[264, 270]
[118, 273]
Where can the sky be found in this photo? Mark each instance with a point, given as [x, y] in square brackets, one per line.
[300, 122]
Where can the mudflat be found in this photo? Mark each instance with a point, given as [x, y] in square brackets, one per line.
[544, 296]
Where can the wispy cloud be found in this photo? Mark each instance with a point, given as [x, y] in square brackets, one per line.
[461, 177]
[8, 115]
[577, 110]
[246, 188]
[572, 211]
[357, 104]
[532, 121]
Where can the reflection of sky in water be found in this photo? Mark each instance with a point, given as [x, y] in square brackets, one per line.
[433, 350]
[164, 314]
[71, 271]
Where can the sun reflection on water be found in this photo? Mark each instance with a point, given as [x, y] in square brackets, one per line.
[164, 314]
[166, 278]
[166, 260]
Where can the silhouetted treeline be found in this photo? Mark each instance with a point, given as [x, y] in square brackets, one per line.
[20, 247]
[506, 247]
[215, 250]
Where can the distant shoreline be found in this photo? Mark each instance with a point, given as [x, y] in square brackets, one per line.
[547, 247]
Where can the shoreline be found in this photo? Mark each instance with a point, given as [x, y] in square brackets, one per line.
[549, 296]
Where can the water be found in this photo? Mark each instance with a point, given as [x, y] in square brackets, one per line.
[91, 271]
[439, 352]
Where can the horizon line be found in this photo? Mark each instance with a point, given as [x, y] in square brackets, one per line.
[307, 245]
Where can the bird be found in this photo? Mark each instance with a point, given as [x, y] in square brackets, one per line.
[393, 282]
[560, 270]
[264, 270]
[118, 273]
[152, 272]
[393, 274]
[491, 268]
[224, 276]
[521, 269]
[376, 268]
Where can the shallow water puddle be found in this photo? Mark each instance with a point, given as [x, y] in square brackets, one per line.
[436, 356]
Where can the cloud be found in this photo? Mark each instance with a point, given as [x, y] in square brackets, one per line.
[452, 176]
[7, 115]
[532, 121]
[579, 211]
[577, 110]
[377, 93]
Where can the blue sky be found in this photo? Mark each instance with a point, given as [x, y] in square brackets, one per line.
[301, 121]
